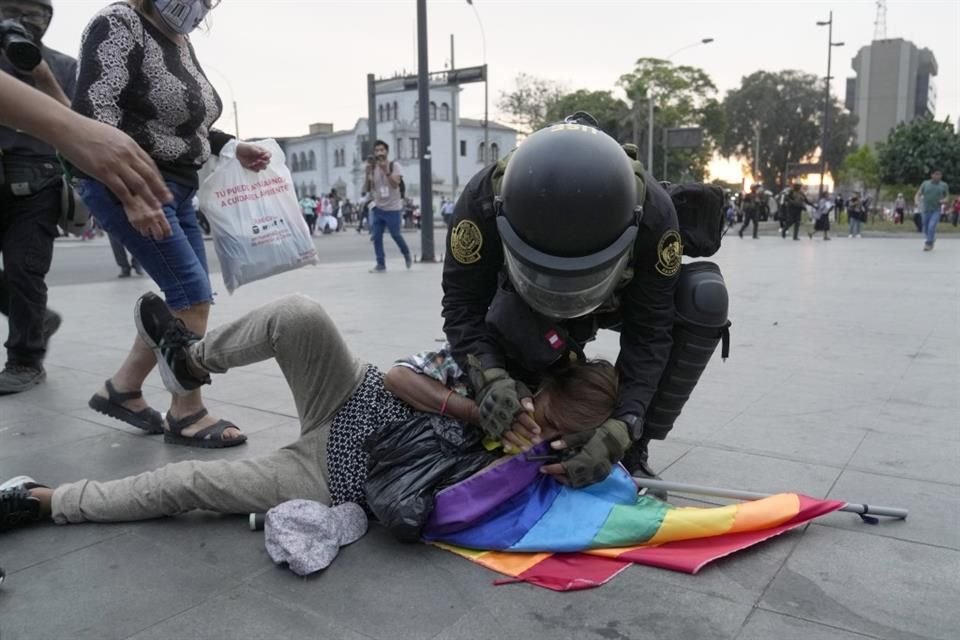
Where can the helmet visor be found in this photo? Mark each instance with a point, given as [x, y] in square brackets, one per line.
[564, 296]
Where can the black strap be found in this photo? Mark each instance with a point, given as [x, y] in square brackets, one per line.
[116, 397]
[725, 342]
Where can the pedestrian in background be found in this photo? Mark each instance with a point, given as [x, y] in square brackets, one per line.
[856, 215]
[120, 256]
[308, 207]
[931, 195]
[821, 220]
[384, 178]
[794, 204]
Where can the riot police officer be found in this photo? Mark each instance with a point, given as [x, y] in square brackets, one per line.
[559, 239]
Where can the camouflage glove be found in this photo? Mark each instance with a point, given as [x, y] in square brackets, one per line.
[498, 398]
[599, 450]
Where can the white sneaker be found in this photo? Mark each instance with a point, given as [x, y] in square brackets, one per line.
[859, 236]
[20, 482]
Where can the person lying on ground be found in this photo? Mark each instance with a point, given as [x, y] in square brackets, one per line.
[340, 401]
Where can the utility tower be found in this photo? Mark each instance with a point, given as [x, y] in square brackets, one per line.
[880, 22]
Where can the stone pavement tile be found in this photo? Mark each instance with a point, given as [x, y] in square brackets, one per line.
[244, 614]
[934, 518]
[634, 605]
[28, 546]
[26, 434]
[103, 592]
[813, 437]
[751, 472]
[908, 457]
[870, 584]
[223, 542]
[664, 453]
[378, 587]
[765, 625]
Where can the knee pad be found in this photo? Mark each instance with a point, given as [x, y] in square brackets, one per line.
[700, 324]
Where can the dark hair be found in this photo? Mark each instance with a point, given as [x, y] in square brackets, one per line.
[380, 143]
[582, 395]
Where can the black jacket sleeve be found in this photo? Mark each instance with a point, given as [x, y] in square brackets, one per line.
[471, 269]
[648, 304]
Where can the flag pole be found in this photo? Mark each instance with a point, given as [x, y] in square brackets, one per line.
[865, 511]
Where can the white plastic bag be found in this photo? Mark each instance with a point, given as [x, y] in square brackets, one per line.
[258, 230]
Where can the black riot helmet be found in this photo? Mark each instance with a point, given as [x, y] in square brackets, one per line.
[567, 216]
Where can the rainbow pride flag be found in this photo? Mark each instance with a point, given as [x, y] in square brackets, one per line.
[514, 520]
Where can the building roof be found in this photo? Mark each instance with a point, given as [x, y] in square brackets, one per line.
[474, 122]
[361, 122]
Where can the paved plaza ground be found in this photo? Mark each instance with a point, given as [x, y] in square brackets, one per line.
[842, 383]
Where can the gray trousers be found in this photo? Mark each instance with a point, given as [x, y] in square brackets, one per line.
[322, 374]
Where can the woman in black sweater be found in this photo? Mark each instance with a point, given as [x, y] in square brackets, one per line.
[139, 73]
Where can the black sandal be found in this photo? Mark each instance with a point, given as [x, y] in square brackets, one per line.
[209, 438]
[147, 419]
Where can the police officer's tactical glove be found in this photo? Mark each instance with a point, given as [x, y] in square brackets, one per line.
[498, 398]
[599, 450]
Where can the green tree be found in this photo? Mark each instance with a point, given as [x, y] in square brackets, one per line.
[862, 167]
[916, 148]
[785, 109]
[611, 112]
[683, 96]
[527, 105]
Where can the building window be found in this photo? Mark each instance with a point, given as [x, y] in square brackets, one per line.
[494, 152]
[414, 148]
[481, 154]
[463, 148]
[312, 160]
[433, 110]
[303, 161]
[444, 111]
[416, 111]
[399, 148]
[396, 114]
[294, 163]
[380, 113]
[313, 188]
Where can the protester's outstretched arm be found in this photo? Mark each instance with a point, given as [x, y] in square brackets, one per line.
[426, 394]
[99, 150]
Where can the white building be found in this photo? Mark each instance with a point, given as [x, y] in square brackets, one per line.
[326, 159]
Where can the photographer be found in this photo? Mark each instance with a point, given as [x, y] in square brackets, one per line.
[384, 183]
[30, 192]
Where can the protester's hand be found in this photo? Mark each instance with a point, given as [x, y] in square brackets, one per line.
[524, 432]
[114, 159]
[599, 450]
[252, 157]
[148, 221]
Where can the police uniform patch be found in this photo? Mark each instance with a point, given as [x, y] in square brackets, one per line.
[669, 253]
[466, 242]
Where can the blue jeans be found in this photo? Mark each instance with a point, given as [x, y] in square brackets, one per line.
[855, 224]
[389, 220]
[178, 264]
[930, 221]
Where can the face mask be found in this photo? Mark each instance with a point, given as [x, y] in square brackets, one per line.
[182, 16]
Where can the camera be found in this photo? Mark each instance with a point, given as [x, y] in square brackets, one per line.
[371, 159]
[18, 46]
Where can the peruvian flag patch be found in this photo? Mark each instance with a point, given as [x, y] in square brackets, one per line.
[554, 340]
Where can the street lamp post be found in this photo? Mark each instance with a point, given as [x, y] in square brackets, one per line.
[826, 97]
[650, 102]
[486, 85]
[426, 168]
